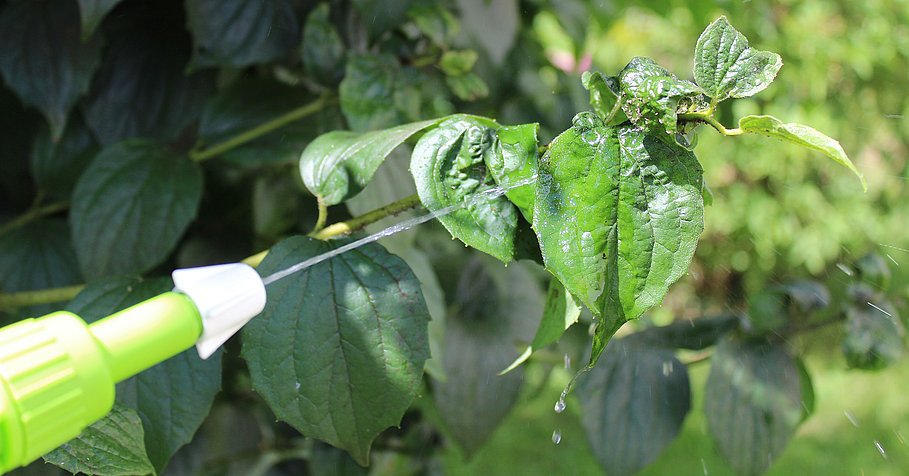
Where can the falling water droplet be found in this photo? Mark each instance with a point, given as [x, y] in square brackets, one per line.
[880, 449]
[667, 368]
[704, 465]
[557, 436]
[567, 362]
[297, 385]
[851, 418]
[559, 406]
[845, 269]
[899, 436]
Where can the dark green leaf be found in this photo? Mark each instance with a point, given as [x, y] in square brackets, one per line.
[37, 256]
[367, 92]
[801, 135]
[651, 96]
[753, 403]
[322, 51]
[142, 89]
[131, 206]
[173, 397]
[618, 214]
[448, 168]
[56, 165]
[560, 313]
[380, 16]
[241, 32]
[604, 97]
[435, 21]
[874, 335]
[468, 87]
[516, 162]
[488, 317]
[725, 66]
[91, 12]
[873, 270]
[44, 59]
[808, 399]
[634, 402]
[457, 63]
[337, 165]
[339, 350]
[112, 446]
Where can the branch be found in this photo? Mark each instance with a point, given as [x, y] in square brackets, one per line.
[260, 130]
[368, 218]
[32, 214]
[710, 120]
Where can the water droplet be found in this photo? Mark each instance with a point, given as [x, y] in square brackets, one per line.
[557, 436]
[567, 360]
[667, 368]
[851, 418]
[704, 465]
[845, 269]
[899, 436]
[297, 385]
[880, 449]
[560, 406]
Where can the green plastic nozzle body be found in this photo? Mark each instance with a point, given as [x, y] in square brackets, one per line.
[57, 373]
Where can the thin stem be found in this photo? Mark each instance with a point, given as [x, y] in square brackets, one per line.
[32, 214]
[357, 223]
[709, 119]
[43, 296]
[323, 216]
[260, 130]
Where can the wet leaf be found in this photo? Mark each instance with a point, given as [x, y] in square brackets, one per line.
[604, 96]
[618, 214]
[44, 59]
[131, 206]
[112, 446]
[725, 66]
[490, 310]
[753, 403]
[334, 338]
[242, 32]
[651, 96]
[322, 51]
[802, 135]
[634, 402]
[338, 165]
[367, 92]
[516, 162]
[172, 398]
[559, 313]
[448, 166]
[874, 335]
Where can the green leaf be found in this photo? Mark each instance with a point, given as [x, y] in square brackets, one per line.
[142, 89]
[802, 135]
[634, 402]
[37, 256]
[618, 213]
[457, 63]
[560, 313]
[604, 97]
[753, 403]
[725, 66]
[241, 33]
[131, 206]
[56, 165]
[91, 12]
[172, 398]
[112, 446]
[516, 162]
[489, 313]
[874, 334]
[339, 350]
[44, 59]
[448, 168]
[468, 87]
[873, 270]
[337, 165]
[651, 96]
[322, 51]
[327, 460]
[436, 22]
[367, 92]
[808, 398]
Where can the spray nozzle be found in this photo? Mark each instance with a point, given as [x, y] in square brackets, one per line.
[227, 296]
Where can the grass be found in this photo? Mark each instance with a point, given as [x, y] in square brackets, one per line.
[827, 443]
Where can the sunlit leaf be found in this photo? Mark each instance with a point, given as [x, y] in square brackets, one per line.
[725, 66]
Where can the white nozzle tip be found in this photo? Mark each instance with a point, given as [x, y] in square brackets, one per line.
[227, 296]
